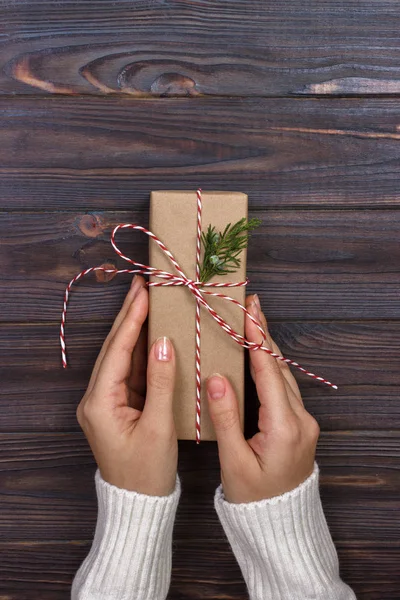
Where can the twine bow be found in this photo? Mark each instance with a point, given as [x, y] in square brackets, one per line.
[194, 286]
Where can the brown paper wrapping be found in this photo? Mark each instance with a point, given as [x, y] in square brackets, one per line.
[173, 218]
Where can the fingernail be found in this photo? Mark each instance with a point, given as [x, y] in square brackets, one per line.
[135, 288]
[163, 349]
[216, 386]
[257, 301]
[255, 311]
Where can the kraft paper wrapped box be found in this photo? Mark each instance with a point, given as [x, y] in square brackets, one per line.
[173, 219]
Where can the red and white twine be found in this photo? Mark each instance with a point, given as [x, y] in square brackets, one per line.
[193, 286]
[198, 363]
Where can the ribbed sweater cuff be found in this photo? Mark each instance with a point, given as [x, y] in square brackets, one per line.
[283, 545]
[131, 553]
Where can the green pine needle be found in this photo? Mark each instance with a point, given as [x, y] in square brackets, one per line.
[222, 249]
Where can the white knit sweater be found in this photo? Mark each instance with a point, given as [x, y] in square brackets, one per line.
[283, 546]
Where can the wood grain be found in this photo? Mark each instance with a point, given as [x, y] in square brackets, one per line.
[33, 399]
[47, 568]
[47, 491]
[38, 395]
[99, 153]
[208, 48]
[320, 256]
[101, 102]
[352, 353]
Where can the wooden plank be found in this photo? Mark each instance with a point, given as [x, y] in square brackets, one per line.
[47, 490]
[209, 48]
[31, 569]
[37, 394]
[372, 572]
[351, 353]
[303, 263]
[28, 568]
[324, 254]
[98, 153]
[33, 399]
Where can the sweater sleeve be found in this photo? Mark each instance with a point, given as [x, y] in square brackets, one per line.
[130, 558]
[283, 545]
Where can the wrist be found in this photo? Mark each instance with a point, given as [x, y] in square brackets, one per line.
[262, 499]
[280, 481]
[131, 490]
[285, 538]
[132, 544]
[146, 485]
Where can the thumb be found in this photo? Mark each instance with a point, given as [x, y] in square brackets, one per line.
[224, 413]
[160, 386]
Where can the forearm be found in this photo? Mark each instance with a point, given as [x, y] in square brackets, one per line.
[283, 545]
[131, 553]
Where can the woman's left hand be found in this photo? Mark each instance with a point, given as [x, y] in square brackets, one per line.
[133, 439]
[281, 455]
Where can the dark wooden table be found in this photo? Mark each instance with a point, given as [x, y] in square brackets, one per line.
[295, 103]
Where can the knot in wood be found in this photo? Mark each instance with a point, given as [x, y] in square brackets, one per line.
[90, 225]
[174, 84]
[102, 276]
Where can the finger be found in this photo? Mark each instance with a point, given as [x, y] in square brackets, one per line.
[117, 362]
[224, 413]
[270, 383]
[136, 284]
[288, 375]
[250, 300]
[269, 342]
[161, 367]
[137, 378]
[286, 372]
[253, 375]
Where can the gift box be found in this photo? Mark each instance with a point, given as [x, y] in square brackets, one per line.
[182, 313]
[172, 310]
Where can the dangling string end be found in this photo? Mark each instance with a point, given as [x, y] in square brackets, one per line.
[181, 279]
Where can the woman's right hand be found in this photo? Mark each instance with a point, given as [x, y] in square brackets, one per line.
[281, 455]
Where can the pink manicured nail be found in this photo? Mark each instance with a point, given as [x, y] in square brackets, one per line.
[133, 281]
[257, 301]
[163, 349]
[216, 386]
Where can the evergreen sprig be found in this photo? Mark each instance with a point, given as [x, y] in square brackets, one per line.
[222, 249]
